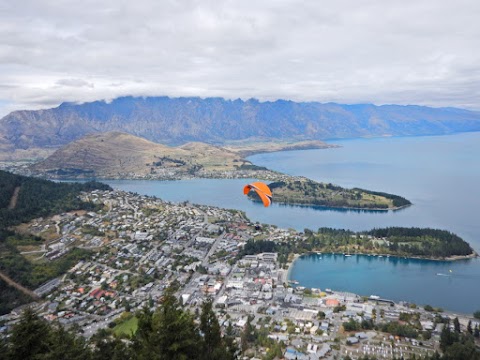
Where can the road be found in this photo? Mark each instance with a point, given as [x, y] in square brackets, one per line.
[18, 286]
[14, 198]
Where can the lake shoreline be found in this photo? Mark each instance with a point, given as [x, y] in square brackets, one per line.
[474, 255]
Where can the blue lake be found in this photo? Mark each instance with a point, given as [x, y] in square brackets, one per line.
[439, 174]
[452, 285]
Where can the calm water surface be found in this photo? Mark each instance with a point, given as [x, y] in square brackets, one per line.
[439, 174]
[451, 285]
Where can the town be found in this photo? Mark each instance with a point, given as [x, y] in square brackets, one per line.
[139, 246]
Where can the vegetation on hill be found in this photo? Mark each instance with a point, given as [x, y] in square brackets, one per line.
[422, 242]
[36, 198]
[398, 241]
[302, 191]
[39, 198]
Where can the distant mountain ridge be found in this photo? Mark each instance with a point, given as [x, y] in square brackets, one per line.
[174, 121]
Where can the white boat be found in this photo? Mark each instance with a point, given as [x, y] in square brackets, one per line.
[374, 297]
[347, 255]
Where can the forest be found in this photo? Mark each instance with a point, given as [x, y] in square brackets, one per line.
[310, 193]
[397, 241]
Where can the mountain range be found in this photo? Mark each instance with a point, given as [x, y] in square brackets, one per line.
[175, 121]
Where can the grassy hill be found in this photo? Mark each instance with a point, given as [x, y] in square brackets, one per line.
[121, 155]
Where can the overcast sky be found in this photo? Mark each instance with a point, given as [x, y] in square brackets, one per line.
[349, 51]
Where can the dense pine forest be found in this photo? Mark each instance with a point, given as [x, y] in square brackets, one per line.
[23, 199]
[38, 197]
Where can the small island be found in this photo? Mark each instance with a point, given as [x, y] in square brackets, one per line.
[303, 191]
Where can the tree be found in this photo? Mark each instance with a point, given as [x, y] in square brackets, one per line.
[212, 339]
[64, 344]
[476, 332]
[351, 325]
[476, 314]
[168, 333]
[29, 337]
[229, 339]
[428, 308]
[456, 325]
[321, 315]
[469, 327]
[175, 335]
[248, 334]
[447, 338]
[106, 344]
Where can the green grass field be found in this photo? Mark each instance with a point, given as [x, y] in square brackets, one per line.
[127, 327]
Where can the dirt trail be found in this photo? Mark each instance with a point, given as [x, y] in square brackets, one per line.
[13, 200]
[18, 286]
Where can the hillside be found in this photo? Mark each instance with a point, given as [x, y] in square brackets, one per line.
[22, 199]
[176, 121]
[120, 155]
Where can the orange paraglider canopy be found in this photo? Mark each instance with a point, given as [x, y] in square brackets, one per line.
[262, 190]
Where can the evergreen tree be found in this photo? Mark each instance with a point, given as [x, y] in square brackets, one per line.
[248, 334]
[29, 336]
[108, 347]
[64, 344]
[212, 338]
[229, 339]
[143, 336]
[456, 325]
[174, 334]
[447, 338]
[462, 351]
[3, 349]
[469, 327]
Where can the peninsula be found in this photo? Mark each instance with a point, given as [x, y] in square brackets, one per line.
[116, 155]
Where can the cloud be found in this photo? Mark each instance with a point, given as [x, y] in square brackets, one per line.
[74, 83]
[423, 52]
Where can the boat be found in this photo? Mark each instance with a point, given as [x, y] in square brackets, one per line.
[374, 297]
[441, 274]
[346, 255]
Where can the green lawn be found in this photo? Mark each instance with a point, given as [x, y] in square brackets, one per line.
[127, 327]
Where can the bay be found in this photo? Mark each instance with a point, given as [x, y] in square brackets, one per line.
[439, 174]
[451, 285]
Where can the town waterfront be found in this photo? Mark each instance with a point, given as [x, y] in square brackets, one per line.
[451, 285]
[439, 174]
